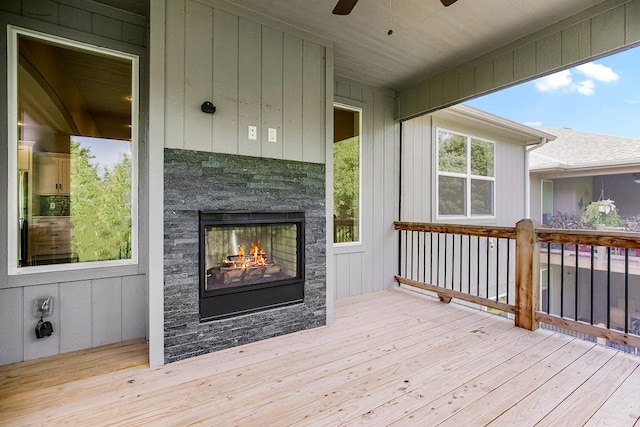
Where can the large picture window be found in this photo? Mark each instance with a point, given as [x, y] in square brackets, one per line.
[466, 175]
[72, 153]
[346, 175]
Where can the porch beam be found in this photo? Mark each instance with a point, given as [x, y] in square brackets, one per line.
[605, 28]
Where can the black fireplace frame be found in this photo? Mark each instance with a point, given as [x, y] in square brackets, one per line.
[224, 303]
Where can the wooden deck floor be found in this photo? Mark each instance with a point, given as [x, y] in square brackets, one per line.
[390, 358]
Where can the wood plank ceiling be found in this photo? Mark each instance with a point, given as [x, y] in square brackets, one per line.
[427, 38]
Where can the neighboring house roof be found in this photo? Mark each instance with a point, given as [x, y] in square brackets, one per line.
[580, 151]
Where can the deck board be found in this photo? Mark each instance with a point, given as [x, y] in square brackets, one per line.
[392, 357]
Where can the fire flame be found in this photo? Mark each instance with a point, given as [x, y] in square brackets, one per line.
[256, 258]
[258, 255]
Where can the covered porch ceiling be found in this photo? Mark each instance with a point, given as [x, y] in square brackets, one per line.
[427, 38]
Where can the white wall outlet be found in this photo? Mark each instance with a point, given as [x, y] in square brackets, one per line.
[253, 133]
[273, 135]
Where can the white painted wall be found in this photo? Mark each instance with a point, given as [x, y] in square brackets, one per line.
[257, 72]
[419, 168]
[370, 266]
[86, 313]
[535, 192]
[569, 192]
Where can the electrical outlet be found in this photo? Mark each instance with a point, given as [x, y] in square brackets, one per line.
[43, 306]
[253, 133]
[273, 135]
[52, 206]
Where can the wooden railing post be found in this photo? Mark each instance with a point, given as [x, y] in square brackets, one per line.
[527, 275]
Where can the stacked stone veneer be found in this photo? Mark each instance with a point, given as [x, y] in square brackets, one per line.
[208, 181]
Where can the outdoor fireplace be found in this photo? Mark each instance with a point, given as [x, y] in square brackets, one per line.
[250, 261]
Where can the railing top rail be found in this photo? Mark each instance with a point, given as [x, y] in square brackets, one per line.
[590, 237]
[466, 230]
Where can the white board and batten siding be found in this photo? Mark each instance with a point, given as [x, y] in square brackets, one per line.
[602, 29]
[419, 169]
[255, 71]
[371, 265]
[86, 313]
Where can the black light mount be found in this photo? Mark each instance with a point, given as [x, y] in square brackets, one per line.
[208, 107]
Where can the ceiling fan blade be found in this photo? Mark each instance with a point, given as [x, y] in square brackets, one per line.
[448, 2]
[344, 7]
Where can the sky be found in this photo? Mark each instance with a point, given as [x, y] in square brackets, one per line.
[107, 152]
[601, 97]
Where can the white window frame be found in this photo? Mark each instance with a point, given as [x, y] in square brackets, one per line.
[359, 241]
[13, 33]
[467, 176]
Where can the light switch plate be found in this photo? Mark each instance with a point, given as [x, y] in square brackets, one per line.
[253, 133]
[273, 135]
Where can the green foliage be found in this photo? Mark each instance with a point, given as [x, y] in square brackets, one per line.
[592, 216]
[481, 158]
[481, 197]
[346, 185]
[452, 195]
[452, 152]
[100, 208]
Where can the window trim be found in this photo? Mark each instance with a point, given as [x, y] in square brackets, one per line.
[13, 32]
[467, 176]
[359, 110]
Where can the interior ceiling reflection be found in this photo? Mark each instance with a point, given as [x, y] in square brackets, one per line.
[70, 91]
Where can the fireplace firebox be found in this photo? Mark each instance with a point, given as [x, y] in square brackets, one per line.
[250, 261]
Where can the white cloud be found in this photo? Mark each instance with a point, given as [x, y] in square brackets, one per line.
[585, 87]
[553, 82]
[534, 124]
[563, 80]
[598, 72]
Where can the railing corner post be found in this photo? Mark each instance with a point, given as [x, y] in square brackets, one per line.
[527, 272]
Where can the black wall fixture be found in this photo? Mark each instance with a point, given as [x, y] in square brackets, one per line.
[208, 107]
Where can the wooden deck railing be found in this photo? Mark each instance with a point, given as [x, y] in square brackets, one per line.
[344, 230]
[582, 281]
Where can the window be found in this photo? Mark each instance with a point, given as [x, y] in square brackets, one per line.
[466, 175]
[72, 154]
[346, 174]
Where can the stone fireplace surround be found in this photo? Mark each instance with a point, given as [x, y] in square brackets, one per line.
[196, 181]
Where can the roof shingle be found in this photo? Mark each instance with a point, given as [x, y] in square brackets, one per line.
[575, 149]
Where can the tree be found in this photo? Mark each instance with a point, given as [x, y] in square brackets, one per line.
[346, 183]
[100, 207]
